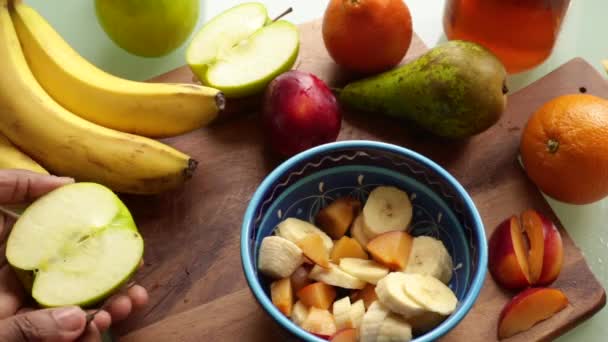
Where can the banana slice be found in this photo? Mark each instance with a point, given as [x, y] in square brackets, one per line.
[336, 277]
[294, 230]
[391, 293]
[394, 329]
[387, 209]
[430, 257]
[279, 257]
[366, 270]
[357, 231]
[341, 311]
[372, 322]
[430, 293]
[299, 313]
[357, 311]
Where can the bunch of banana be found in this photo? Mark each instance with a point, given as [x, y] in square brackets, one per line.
[12, 158]
[148, 109]
[77, 121]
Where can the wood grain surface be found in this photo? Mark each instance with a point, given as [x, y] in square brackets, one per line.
[193, 268]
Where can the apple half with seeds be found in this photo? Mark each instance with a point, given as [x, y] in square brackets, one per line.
[77, 245]
[241, 50]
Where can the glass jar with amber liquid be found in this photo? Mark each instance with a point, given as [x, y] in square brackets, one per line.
[521, 33]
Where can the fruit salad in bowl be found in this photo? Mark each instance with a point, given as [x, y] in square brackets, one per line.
[363, 241]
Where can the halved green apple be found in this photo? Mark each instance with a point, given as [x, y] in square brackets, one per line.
[77, 245]
[241, 50]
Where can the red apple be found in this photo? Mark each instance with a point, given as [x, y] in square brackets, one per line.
[300, 112]
[546, 250]
[528, 308]
[508, 255]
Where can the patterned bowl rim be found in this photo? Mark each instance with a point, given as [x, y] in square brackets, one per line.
[276, 174]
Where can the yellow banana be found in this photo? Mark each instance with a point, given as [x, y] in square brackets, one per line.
[70, 146]
[12, 158]
[149, 109]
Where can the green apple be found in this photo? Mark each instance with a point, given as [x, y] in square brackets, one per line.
[241, 50]
[75, 245]
[148, 28]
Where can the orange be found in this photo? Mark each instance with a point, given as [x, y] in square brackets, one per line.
[564, 148]
[367, 36]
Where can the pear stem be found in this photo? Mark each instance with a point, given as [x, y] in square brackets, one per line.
[287, 11]
[9, 213]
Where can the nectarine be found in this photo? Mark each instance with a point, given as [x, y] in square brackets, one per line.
[508, 255]
[515, 264]
[546, 249]
[528, 308]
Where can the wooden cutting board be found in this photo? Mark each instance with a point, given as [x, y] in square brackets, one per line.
[193, 267]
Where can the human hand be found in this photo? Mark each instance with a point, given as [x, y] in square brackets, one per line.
[18, 322]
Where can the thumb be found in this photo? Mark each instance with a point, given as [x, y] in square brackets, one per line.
[60, 325]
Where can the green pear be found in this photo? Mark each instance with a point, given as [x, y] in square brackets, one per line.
[455, 90]
[241, 50]
[75, 246]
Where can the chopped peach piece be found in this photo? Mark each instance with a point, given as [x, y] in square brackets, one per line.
[320, 322]
[313, 248]
[508, 255]
[345, 335]
[368, 294]
[281, 293]
[391, 249]
[528, 308]
[338, 216]
[347, 247]
[319, 295]
[546, 254]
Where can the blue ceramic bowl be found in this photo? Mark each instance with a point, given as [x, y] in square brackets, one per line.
[310, 180]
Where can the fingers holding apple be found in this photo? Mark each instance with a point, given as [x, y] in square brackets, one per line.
[517, 261]
[71, 248]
